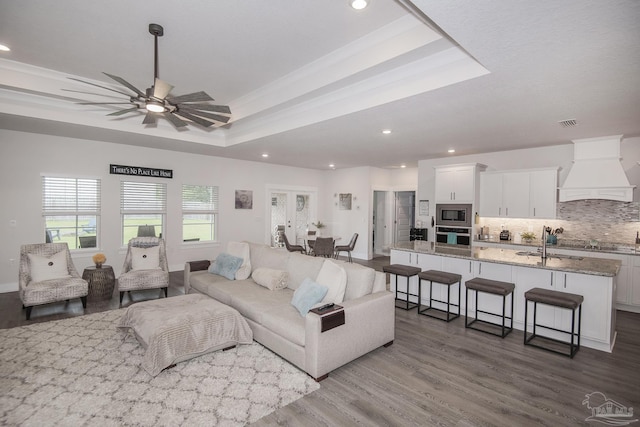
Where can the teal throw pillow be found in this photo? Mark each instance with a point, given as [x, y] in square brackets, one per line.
[308, 294]
[226, 266]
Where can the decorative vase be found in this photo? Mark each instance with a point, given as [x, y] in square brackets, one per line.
[552, 240]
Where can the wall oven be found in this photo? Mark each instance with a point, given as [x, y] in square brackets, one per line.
[453, 215]
[454, 235]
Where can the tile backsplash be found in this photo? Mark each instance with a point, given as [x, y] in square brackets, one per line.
[601, 220]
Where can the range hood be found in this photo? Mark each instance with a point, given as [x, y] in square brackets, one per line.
[597, 172]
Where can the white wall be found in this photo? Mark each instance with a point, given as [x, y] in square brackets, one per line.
[25, 157]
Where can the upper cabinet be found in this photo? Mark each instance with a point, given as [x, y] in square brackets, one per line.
[456, 183]
[519, 194]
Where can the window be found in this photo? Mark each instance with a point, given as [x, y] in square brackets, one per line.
[199, 212]
[71, 211]
[143, 208]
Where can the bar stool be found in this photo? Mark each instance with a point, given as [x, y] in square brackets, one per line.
[494, 287]
[554, 299]
[404, 271]
[443, 278]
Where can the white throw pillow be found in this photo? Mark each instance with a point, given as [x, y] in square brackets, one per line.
[48, 268]
[145, 258]
[270, 278]
[241, 250]
[333, 277]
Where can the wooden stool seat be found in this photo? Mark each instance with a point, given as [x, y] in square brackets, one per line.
[444, 278]
[494, 287]
[408, 272]
[558, 299]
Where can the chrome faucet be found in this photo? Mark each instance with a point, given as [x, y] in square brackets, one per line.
[545, 230]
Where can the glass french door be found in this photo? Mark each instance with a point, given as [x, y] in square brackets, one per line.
[291, 214]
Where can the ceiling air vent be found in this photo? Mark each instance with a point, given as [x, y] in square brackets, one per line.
[568, 123]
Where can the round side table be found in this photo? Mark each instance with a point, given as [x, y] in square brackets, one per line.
[101, 282]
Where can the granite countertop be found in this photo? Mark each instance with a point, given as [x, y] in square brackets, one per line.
[585, 265]
[576, 245]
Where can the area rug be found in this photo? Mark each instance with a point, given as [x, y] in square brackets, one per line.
[83, 372]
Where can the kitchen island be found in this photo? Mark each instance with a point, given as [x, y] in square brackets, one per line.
[593, 278]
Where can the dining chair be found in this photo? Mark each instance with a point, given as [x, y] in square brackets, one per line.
[347, 248]
[323, 247]
[292, 248]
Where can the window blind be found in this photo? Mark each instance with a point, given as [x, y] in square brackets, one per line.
[143, 197]
[70, 195]
[199, 198]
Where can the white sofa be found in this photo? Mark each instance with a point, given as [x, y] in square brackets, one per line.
[369, 309]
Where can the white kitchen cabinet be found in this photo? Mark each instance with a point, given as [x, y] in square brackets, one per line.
[543, 189]
[519, 194]
[456, 183]
[635, 282]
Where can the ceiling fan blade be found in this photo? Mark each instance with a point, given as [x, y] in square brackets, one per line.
[161, 89]
[102, 103]
[124, 83]
[121, 112]
[103, 87]
[191, 97]
[216, 117]
[175, 120]
[149, 119]
[195, 119]
[208, 107]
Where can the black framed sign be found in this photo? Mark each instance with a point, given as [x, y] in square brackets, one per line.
[140, 171]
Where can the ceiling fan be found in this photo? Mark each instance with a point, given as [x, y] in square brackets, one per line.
[157, 101]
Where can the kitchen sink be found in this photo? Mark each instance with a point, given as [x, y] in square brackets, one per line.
[558, 256]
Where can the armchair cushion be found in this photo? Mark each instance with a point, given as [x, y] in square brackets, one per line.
[48, 267]
[226, 265]
[145, 258]
[307, 295]
[270, 278]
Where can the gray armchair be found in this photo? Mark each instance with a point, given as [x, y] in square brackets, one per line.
[323, 247]
[151, 278]
[47, 291]
[347, 248]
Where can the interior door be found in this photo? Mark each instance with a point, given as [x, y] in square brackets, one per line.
[405, 215]
[290, 213]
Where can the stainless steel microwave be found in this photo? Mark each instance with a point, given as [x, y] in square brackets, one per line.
[453, 215]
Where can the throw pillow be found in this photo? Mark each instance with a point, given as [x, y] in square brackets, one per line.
[308, 294]
[226, 265]
[334, 278]
[145, 258]
[241, 250]
[270, 278]
[48, 268]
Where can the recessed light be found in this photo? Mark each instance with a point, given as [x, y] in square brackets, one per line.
[4, 48]
[265, 155]
[332, 166]
[386, 131]
[451, 150]
[359, 4]
[403, 166]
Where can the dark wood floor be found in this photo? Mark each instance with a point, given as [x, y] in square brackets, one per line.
[439, 373]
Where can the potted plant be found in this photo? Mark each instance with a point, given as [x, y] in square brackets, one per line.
[319, 225]
[99, 259]
[527, 236]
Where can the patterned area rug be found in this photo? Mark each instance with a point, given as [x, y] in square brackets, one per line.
[81, 371]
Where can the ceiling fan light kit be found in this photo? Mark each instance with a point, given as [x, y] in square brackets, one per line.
[157, 100]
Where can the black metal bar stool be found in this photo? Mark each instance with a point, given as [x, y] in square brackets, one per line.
[408, 272]
[554, 299]
[444, 278]
[494, 287]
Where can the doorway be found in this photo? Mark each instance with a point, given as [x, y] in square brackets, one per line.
[405, 204]
[291, 213]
